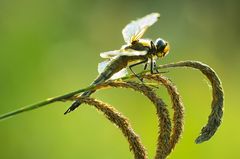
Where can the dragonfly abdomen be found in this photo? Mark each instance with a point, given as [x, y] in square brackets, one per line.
[113, 67]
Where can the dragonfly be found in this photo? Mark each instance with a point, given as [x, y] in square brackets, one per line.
[136, 51]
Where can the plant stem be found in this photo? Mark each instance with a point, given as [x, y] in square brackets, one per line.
[44, 103]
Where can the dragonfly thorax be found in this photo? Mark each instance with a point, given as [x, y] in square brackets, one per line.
[140, 45]
[158, 49]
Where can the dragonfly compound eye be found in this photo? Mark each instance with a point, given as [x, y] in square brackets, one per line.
[162, 47]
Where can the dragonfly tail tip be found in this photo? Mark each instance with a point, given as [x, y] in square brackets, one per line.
[72, 107]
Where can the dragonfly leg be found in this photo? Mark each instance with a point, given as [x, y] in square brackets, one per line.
[156, 69]
[151, 66]
[130, 67]
[145, 66]
[155, 66]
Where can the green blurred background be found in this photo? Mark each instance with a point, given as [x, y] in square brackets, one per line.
[48, 48]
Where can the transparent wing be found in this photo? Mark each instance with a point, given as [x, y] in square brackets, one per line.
[127, 52]
[120, 74]
[103, 65]
[135, 30]
[110, 54]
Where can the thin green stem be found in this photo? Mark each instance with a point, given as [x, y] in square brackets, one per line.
[44, 103]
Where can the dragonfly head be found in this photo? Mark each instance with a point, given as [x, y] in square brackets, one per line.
[162, 47]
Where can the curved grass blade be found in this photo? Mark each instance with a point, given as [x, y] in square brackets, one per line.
[215, 117]
[177, 106]
[122, 123]
[162, 113]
